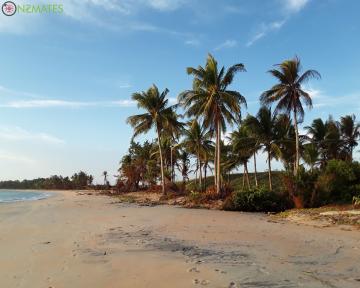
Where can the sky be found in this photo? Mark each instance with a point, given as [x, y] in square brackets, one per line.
[66, 79]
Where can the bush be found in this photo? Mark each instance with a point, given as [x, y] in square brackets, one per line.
[301, 188]
[356, 202]
[339, 182]
[256, 200]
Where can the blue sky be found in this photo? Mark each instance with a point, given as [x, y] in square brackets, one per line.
[66, 80]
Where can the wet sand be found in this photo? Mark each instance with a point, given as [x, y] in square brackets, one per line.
[73, 240]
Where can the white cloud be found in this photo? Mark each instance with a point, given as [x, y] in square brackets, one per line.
[321, 99]
[8, 156]
[264, 30]
[226, 44]
[16, 133]
[290, 7]
[165, 5]
[193, 42]
[294, 6]
[54, 103]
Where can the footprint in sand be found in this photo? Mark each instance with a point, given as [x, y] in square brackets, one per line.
[201, 282]
[194, 269]
[232, 285]
[220, 271]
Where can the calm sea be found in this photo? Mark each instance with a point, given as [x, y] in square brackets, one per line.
[7, 196]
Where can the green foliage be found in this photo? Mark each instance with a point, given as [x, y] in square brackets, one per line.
[192, 186]
[356, 201]
[79, 180]
[256, 200]
[195, 195]
[340, 181]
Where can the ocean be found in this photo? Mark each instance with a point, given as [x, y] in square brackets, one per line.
[7, 196]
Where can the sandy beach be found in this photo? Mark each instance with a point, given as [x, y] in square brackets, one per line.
[73, 240]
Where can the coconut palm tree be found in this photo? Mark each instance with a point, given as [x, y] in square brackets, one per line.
[197, 140]
[311, 155]
[105, 174]
[263, 126]
[255, 148]
[289, 94]
[285, 136]
[184, 165]
[158, 115]
[317, 133]
[242, 149]
[213, 101]
[350, 131]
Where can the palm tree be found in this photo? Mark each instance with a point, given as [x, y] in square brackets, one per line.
[197, 141]
[285, 135]
[317, 133]
[158, 115]
[350, 131]
[288, 94]
[211, 100]
[263, 126]
[242, 150]
[105, 174]
[255, 148]
[184, 165]
[311, 155]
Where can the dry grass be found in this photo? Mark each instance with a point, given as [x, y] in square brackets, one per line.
[323, 216]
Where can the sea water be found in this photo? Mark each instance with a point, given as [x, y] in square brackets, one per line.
[7, 196]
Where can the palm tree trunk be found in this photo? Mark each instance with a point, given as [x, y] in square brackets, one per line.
[218, 172]
[205, 170]
[161, 163]
[255, 170]
[247, 175]
[297, 160]
[243, 184]
[200, 172]
[269, 166]
[196, 171]
[215, 161]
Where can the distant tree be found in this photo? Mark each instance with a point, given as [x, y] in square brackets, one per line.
[106, 182]
[197, 140]
[350, 132]
[263, 128]
[158, 115]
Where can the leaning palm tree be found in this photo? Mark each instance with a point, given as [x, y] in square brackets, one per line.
[288, 94]
[213, 102]
[158, 115]
[197, 141]
[350, 131]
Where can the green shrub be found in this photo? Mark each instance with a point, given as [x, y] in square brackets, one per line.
[192, 186]
[339, 182]
[195, 196]
[256, 200]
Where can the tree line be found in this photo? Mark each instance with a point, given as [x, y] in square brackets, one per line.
[210, 107]
[80, 180]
